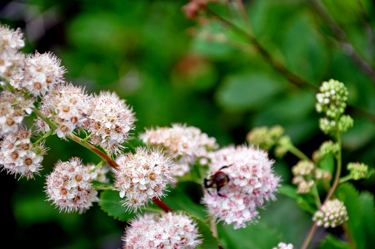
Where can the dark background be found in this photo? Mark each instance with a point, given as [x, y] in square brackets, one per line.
[143, 50]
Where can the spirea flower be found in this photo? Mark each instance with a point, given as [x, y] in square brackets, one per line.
[67, 106]
[42, 72]
[69, 186]
[18, 156]
[13, 107]
[185, 144]
[142, 176]
[251, 183]
[283, 245]
[331, 214]
[169, 230]
[11, 61]
[109, 121]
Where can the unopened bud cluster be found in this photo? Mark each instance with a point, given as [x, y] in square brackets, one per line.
[283, 245]
[251, 184]
[331, 214]
[357, 170]
[265, 137]
[169, 230]
[305, 173]
[142, 176]
[185, 144]
[332, 101]
[69, 186]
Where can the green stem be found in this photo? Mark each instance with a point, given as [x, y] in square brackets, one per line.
[43, 137]
[295, 151]
[316, 196]
[345, 179]
[86, 138]
[100, 164]
[309, 237]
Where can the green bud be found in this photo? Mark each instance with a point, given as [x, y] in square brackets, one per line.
[345, 123]
[357, 170]
[265, 137]
[327, 125]
[332, 98]
[276, 132]
[303, 168]
[329, 147]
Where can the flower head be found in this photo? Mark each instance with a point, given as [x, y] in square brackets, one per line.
[331, 214]
[13, 108]
[142, 176]
[185, 144]
[109, 120]
[69, 186]
[169, 230]
[18, 156]
[251, 183]
[67, 106]
[332, 98]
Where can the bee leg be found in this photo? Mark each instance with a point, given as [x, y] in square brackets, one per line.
[226, 166]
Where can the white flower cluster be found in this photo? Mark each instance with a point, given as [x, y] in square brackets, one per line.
[283, 245]
[331, 214]
[69, 186]
[168, 231]
[251, 183]
[66, 105]
[185, 144]
[19, 156]
[332, 98]
[11, 61]
[109, 121]
[142, 176]
[12, 111]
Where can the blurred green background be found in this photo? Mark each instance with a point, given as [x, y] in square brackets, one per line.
[145, 52]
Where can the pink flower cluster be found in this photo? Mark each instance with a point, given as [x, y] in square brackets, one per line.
[66, 105]
[142, 176]
[251, 183]
[185, 144]
[109, 121]
[19, 156]
[69, 186]
[168, 231]
[12, 110]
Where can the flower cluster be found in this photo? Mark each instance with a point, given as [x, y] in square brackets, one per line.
[97, 174]
[332, 98]
[283, 245]
[11, 61]
[304, 174]
[265, 137]
[331, 214]
[12, 110]
[66, 105]
[168, 231]
[69, 186]
[185, 144]
[19, 156]
[251, 183]
[109, 121]
[357, 170]
[142, 176]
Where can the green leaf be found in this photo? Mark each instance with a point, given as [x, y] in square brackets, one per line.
[331, 242]
[356, 224]
[327, 163]
[247, 91]
[305, 205]
[367, 203]
[209, 241]
[254, 236]
[110, 204]
[289, 191]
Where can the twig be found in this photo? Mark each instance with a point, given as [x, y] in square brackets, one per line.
[309, 236]
[162, 205]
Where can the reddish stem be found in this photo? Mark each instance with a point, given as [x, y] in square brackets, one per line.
[162, 205]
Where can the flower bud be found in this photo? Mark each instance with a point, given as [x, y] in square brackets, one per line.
[332, 98]
[331, 214]
[265, 137]
[345, 123]
[357, 170]
[303, 168]
[304, 187]
[329, 147]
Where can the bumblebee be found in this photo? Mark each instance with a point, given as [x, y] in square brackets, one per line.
[216, 181]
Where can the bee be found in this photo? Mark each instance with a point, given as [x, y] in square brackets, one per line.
[216, 181]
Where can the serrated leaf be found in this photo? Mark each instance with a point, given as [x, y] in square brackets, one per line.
[349, 195]
[289, 191]
[209, 241]
[331, 242]
[254, 236]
